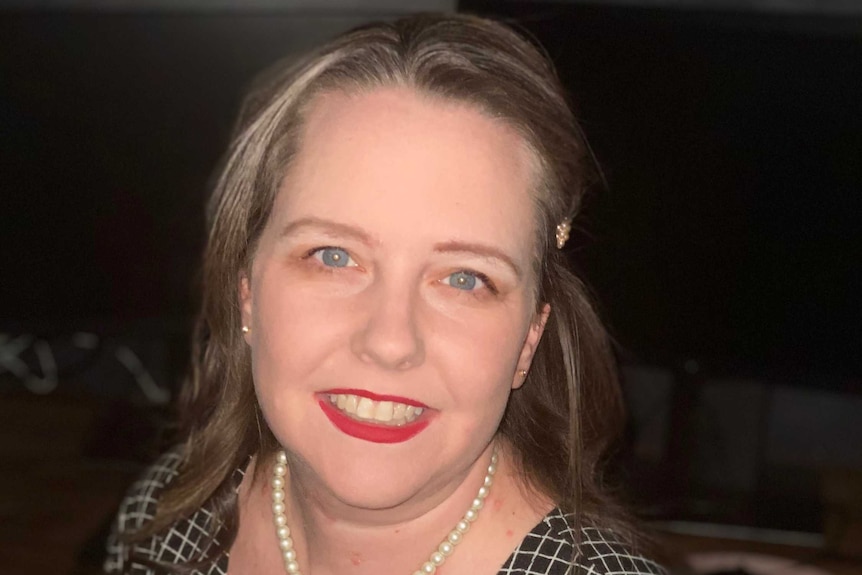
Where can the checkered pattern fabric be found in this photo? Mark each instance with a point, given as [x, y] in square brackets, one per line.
[548, 549]
[186, 541]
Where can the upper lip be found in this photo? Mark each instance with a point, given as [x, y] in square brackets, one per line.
[376, 396]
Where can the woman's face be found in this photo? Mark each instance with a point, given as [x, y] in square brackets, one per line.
[391, 295]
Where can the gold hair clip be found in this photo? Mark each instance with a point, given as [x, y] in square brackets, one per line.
[563, 229]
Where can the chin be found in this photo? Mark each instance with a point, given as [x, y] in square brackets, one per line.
[352, 471]
[372, 485]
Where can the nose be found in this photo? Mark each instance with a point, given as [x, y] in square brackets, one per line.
[390, 336]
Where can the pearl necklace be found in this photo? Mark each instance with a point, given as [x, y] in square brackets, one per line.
[437, 558]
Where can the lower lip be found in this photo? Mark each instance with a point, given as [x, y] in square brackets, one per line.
[373, 432]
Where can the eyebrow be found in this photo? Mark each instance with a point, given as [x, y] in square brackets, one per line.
[326, 226]
[482, 250]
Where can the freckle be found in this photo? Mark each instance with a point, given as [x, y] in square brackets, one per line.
[498, 503]
[355, 558]
[509, 532]
[398, 531]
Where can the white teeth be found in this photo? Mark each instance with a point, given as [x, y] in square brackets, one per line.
[350, 404]
[365, 409]
[386, 412]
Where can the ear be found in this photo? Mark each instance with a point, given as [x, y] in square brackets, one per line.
[245, 305]
[537, 328]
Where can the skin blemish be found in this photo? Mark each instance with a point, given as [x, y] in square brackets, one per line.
[497, 504]
[509, 532]
[355, 558]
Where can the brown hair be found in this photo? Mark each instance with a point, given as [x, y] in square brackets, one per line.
[562, 419]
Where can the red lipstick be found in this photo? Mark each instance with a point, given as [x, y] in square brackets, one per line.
[373, 432]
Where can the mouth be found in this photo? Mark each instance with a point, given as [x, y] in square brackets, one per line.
[379, 419]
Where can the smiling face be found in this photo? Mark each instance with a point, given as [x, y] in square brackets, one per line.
[390, 299]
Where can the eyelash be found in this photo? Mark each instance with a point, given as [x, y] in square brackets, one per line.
[486, 281]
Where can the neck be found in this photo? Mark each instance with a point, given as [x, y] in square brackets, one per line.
[332, 536]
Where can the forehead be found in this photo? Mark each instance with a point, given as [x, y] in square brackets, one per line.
[392, 156]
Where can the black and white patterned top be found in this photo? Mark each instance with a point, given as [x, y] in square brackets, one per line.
[547, 550]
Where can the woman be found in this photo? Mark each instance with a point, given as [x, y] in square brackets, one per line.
[394, 369]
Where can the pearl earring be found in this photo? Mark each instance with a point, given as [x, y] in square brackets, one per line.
[245, 329]
[523, 373]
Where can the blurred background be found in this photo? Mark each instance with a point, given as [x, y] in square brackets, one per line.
[724, 252]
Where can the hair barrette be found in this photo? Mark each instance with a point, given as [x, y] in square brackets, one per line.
[562, 233]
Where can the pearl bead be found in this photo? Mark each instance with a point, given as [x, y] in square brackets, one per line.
[283, 532]
[462, 526]
[477, 504]
[278, 507]
[289, 555]
[277, 495]
[292, 567]
[446, 548]
[471, 515]
[483, 492]
[429, 568]
[454, 537]
[437, 558]
[278, 483]
[286, 544]
[280, 520]
[279, 470]
[281, 457]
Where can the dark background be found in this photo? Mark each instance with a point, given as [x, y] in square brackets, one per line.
[724, 251]
[731, 143]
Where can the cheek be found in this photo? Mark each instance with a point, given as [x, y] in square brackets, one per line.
[296, 329]
[481, 352]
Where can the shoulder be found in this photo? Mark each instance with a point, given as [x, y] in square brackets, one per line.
[601, 552]
[139, 504]
[184, 542]
[554, 547]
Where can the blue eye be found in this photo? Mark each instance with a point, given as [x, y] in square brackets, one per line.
[463, 281]
[334, 257]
